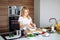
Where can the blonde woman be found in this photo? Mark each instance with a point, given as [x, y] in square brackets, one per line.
[25, 21]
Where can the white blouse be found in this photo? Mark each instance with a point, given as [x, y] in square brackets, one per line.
[24, 20]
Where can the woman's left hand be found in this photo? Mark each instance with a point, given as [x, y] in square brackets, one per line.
[34, 25]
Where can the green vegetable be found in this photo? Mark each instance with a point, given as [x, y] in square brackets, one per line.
[31, 35]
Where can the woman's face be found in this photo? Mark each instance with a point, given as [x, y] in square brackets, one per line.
[26, 12]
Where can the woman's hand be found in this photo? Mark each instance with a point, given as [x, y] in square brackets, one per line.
[30, 26]
[34, 24]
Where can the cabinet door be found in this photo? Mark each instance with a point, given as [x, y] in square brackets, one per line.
[3, 18]
[13, 23]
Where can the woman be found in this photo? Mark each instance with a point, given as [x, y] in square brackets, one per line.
[25, 20]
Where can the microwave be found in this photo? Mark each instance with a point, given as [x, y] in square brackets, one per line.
[14, 10]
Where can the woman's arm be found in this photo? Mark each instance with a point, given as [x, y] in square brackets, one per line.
[33, 24]
[21, 25]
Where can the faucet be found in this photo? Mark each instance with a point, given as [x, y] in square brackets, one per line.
[52, 25]
[54, 19]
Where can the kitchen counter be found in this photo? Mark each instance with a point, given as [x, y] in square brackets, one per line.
[1, 38]
[53, 36]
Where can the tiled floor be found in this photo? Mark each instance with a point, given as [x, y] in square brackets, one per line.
[53, 36]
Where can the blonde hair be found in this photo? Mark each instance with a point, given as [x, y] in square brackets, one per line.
[22, 12]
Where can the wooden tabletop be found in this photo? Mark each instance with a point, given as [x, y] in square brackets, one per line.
[35, 31]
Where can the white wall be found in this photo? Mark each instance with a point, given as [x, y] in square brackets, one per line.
[37, 12]
[49, 9]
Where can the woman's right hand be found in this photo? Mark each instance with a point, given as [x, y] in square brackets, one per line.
[31, 26]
